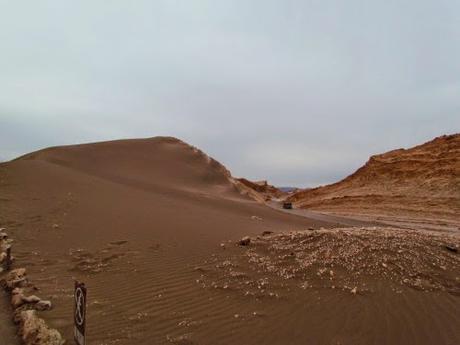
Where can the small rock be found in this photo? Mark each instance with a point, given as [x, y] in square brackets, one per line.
[16, 297]
[15, 278]
[118, 243]
[43, 305]
[267, 232]
[384, 265]
[452, 248]
[354, 291]
[222, 245]
[55, 226]
[31, 299]
[245, 241]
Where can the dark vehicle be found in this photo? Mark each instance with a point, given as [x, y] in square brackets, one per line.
[287, 205]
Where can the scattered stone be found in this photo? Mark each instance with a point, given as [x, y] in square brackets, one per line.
[43, 305]
[16, 297]
[31, 299]
[452, 248]
[180, 340]
[15, 278]
[118, 243]
[255, 218]
[245, 241]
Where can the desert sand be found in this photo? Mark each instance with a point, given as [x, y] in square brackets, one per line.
[152, 226]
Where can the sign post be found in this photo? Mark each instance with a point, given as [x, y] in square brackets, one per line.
[80, 313]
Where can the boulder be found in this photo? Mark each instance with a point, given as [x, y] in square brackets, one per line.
[34, 331]
[452, 248]
[15, 278]
[16, 297]
[245, 241]
[2, 257]
[43, 305]
[31, 299]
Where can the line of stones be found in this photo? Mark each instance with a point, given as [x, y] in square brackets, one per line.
[31, 328]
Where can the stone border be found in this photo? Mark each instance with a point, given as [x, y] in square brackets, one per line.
[31, 328]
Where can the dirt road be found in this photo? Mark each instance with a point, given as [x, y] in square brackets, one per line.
[334, 220]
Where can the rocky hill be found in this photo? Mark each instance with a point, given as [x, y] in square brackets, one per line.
[424, 179]
[266, 190]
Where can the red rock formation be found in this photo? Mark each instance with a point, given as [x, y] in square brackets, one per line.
[423, 179]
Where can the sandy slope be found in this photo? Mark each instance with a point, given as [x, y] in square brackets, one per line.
[141, 222]
[420, 181]
[68, 207]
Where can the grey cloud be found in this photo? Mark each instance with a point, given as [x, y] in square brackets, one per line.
[299, 92]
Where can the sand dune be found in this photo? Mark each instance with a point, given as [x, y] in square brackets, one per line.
[150, 225]
[68, 208]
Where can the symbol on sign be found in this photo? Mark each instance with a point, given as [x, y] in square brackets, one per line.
[80, 306]
[80, 313]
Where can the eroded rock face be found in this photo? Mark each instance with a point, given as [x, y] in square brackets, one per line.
[421, 180]
[34, 331]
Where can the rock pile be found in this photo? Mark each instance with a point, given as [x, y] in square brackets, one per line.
[32, 329]
[349, 257]
[355, 260]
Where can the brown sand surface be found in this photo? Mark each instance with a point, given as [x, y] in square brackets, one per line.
[7, 328]
[131, 219]
[141, 222]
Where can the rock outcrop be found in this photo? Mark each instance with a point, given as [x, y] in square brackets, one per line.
[421, 180]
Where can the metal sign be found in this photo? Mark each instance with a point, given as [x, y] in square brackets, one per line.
[80, 313]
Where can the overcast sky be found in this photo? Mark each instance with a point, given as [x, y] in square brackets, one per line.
[297, 92]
